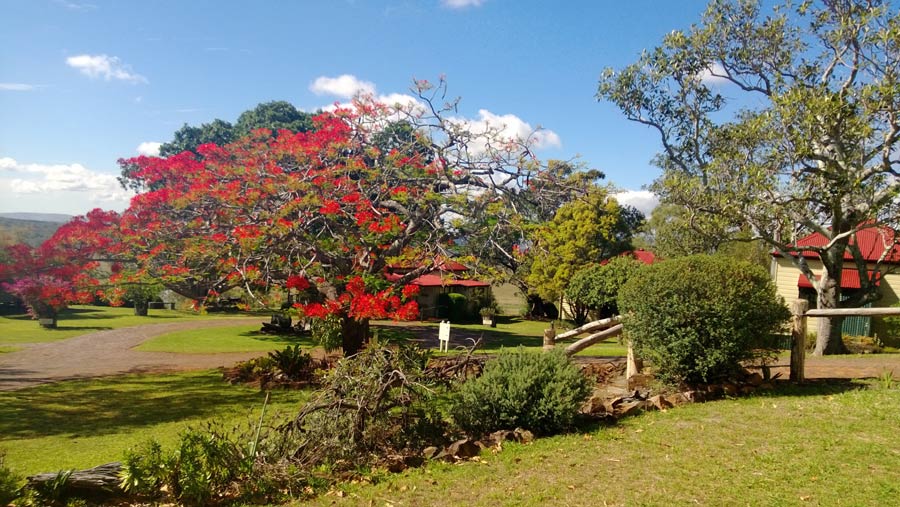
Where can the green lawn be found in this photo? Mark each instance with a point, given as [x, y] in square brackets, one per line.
[835, 446]
[79, 424]
[79, 320]
[222, 339]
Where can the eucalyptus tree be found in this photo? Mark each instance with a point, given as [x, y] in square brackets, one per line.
[784, 122]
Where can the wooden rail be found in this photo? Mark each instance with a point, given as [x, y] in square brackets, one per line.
[800, 312]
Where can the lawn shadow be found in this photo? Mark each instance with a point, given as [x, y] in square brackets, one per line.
[303, 339]
[111, 405]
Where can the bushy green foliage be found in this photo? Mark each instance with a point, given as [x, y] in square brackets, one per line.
[326, 332]
[454, 307]
[9, 481]
[380, 402]
[540, 392]
[292, 363]
[597, 287]
[697, 318]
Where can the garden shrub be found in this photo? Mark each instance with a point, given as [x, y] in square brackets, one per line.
[292, 363]
[596, 287]
[9, 482]
[454, 307]
[541, 392]
[697, 318]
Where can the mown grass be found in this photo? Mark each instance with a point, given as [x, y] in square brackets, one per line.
[79, 320]
[222, 339]
[820, 445]
[79, 424]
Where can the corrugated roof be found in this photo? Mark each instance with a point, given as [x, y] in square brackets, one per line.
[438, 281]
[849, 279]
[872, 241]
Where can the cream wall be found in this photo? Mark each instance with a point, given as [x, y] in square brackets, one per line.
[786, 275]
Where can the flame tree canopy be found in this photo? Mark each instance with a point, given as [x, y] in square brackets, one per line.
[326, 211]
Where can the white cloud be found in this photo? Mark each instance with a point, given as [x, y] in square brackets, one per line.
[50, 179]
[345, 86]
[509, 127]
[104, 66]
[461, 4]
[75, 6]
[17, 87]
[713, 75]
[644, 200]
[149, 148]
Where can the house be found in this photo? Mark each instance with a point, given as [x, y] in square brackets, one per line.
[446, 277]
[792, 284]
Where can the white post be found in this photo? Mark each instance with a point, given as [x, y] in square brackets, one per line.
[444, 336]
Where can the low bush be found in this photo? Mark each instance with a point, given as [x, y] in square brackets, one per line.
[698, 318]
[9, 482]
[541, 392]
[292, 363]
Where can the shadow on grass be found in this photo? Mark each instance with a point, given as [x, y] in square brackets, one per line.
[291, 338]
[113, 405]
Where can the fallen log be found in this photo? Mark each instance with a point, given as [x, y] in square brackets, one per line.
[590, 327]
[100, 481]
[592, 339]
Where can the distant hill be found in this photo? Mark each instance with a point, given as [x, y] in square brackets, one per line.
[38, 217]
[32, 232]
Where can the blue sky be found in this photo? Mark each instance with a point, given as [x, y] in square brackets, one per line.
[85, 82]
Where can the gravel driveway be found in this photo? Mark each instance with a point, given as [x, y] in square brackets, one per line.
[110, 353]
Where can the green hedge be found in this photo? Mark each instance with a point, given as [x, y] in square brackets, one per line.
[697, 318]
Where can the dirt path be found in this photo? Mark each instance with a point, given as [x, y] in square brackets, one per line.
[110, 353]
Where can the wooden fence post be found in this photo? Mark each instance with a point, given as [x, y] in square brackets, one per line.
[633, 365]
[798, 339]
[550, 337]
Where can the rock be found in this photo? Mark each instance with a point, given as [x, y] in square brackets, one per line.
[465, 448]
[523, 436]
[714, 390]
[754, 379]
[498, 437]
[730, 389]
[630, 408]
[694, 396]
[430, 452]
[748, 390]
[767, 386]
[676, 399]
[660, 402]
[639, 381]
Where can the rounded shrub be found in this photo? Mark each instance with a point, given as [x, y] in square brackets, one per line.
[697, 318]
[541, 392]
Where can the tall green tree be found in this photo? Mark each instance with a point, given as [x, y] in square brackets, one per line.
[587, 230]
[783, 122]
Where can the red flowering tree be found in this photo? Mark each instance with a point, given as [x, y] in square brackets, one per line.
[322, 213]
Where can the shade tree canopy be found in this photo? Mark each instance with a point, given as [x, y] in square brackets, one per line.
[782, 123]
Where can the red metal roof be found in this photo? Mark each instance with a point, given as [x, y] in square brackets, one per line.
[849, 279]
[640, 254]
[872, 242]
[439, 281]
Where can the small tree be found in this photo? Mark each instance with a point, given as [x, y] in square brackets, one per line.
[596, 288]
[697, 318]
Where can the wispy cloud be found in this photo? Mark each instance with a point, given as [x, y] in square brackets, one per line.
[714, 75]
[75, 6]
[104, 66]
[149, 148]
[18, 87]
[644, 201]
[344, 86]
[461, 4]
[42, 178]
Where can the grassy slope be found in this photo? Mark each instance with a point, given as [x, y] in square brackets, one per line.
[222, 339]
[79, 320]
[78, 424]
[806, 448]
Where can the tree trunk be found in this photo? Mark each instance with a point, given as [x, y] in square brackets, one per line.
[354, 334]
[828, 337]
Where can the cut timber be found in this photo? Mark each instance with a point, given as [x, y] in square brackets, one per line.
[590, 327]
[798, 339]
[592, 339]
[843, 312]
[102, 480]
